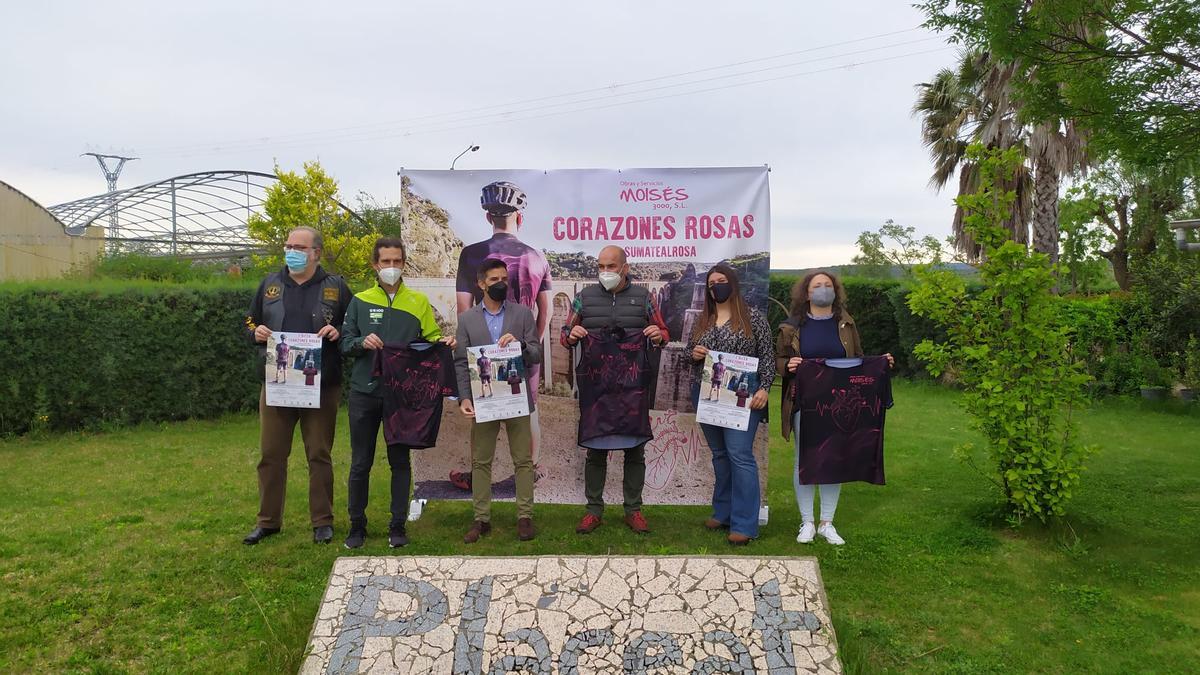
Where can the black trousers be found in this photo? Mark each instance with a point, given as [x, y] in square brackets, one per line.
[366, 416]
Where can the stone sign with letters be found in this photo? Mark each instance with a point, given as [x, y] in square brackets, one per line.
[573, 615]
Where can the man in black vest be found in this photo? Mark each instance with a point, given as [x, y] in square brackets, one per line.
[614, 302]
[300, 298]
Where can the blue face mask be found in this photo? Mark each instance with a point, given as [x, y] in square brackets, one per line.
[296, 260]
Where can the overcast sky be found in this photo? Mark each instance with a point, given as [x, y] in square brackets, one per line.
[369, 87]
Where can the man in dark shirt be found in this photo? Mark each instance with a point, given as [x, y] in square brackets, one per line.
[485, 375]
[300, 298]
[615, 302]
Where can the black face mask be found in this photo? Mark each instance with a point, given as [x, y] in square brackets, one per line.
[498, 291]
[720, 291]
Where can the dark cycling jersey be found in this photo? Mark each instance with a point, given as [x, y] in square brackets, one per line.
[842, 413]
[413, 379]
[614, 393]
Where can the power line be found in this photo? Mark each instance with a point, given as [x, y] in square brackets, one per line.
[845, 66]
[505, 113]
[268, 140]
[409, 132]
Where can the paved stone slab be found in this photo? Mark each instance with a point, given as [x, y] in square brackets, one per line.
[570, 615]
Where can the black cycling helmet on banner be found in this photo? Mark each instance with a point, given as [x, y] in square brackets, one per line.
[502, 197]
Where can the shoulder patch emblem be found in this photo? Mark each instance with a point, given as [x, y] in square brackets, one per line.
[331, 294]
[272, 291]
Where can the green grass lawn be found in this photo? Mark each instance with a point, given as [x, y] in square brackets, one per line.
[122, 551]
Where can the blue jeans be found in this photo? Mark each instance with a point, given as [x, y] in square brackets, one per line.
[736, 491]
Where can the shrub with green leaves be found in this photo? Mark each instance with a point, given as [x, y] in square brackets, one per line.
[1011, 352]
[102, 354]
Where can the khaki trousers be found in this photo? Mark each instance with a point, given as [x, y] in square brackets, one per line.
[483, 451]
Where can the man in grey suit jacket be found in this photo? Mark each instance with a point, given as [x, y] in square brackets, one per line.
[496, 321]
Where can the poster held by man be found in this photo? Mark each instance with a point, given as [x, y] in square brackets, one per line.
[293, 370]
[496, 382]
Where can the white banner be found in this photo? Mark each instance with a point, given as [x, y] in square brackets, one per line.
[673, 224]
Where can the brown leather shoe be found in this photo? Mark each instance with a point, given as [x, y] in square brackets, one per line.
[637, 522]
[478, 529]
[587, 525]
[525, 530]
[738, 539]
[714, 524]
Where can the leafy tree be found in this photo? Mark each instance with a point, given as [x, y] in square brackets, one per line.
[1127, 70]
[383, 219]
[1134, 206]
[1009, 347]
[895, 246]
[1082, 238]
[311, 199]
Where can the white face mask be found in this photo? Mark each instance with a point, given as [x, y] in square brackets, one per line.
[610, 280]
[389, 275]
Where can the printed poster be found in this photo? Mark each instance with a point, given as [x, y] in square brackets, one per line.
[293, 370]
[726, 387]
[673, 225]
[497, 382]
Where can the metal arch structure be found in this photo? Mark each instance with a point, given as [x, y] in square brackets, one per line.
[193, 215]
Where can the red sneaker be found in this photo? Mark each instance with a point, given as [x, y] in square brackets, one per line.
[587, 525]
[637, 522]
[461, 480]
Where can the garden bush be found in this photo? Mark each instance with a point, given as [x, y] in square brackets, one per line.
[88, 356]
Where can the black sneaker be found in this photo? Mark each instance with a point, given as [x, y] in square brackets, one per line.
[397, 537]
[358, 534]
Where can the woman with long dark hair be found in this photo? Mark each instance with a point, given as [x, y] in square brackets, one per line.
[819, 327]
[729, 325]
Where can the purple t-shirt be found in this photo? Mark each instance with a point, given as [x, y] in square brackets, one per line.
[528, 271]
[718, 372]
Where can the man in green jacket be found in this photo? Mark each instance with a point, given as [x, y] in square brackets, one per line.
[392, 313]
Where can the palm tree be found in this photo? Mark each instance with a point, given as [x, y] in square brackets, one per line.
[967, 104]
[976, 103]
[1056, 149]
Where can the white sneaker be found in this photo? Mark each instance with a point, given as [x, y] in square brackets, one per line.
[830, 535]
[807, 532]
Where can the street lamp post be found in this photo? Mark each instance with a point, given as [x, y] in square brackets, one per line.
[470, 148]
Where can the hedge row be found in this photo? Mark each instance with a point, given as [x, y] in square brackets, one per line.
[88, 357]
[1113, 335]
[880, 311]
